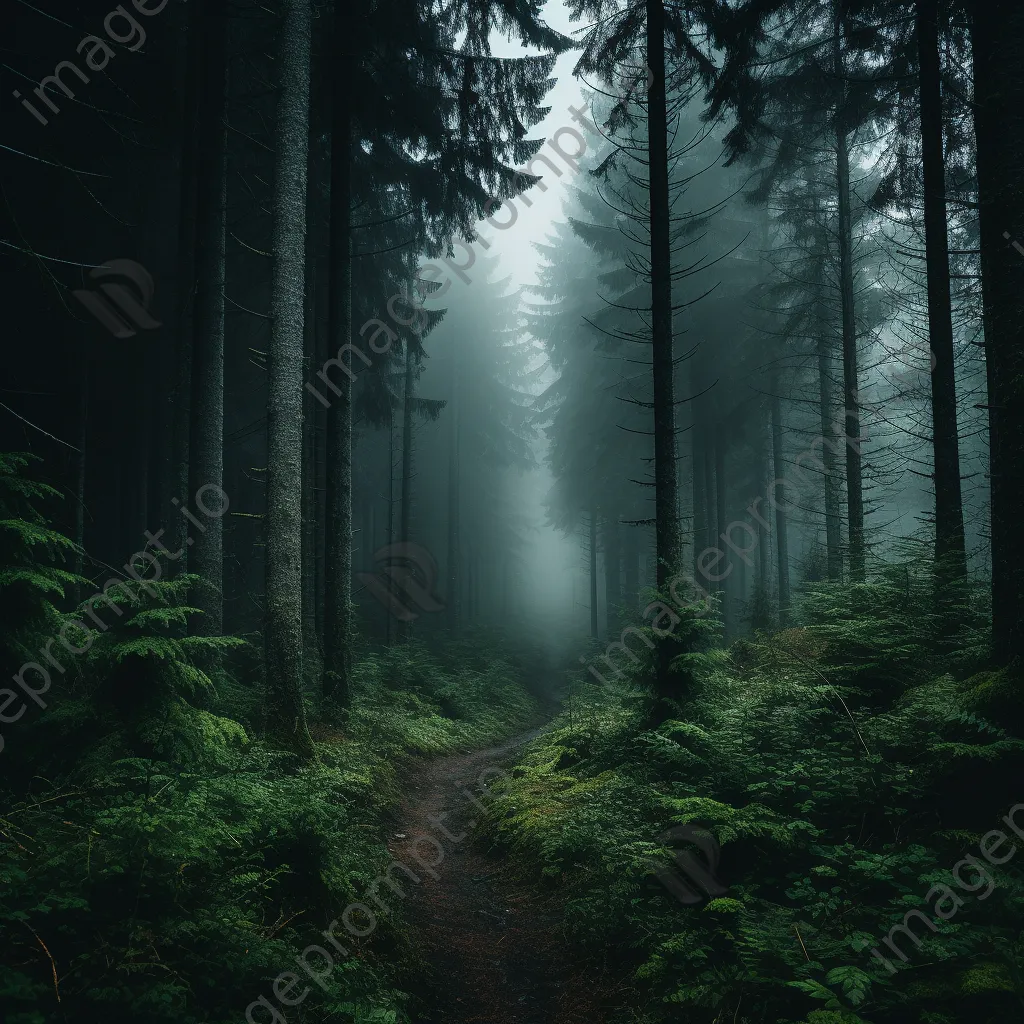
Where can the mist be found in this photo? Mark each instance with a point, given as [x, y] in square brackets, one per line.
[508, 511]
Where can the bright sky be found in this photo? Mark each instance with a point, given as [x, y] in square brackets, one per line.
[513, 246]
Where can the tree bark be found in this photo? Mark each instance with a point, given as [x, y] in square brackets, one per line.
[612, 573]
[998, 38]
[950, 553]
[321, 227]
[283, 636]
[206, 463]
[710, 508]
[631, 571]
[82, 439]
[665, 470]
[390, 623]
[851, 386]
[317, 218]
[761, 608]
[782, 539]
[721, 525]
[454, 562]
[408, 406]
[592, 554]
[409, 398]
[763, 531]
[699, 490]
[666, 509]
[338, 539]
[833, 496]
[185, 281]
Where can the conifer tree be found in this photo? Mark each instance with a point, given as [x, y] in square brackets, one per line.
[206, 408]
[997, 35]
[284, 564]
[423, 87]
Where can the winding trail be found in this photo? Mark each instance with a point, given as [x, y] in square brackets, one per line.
[493, 945]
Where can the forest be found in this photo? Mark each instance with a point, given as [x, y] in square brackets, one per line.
[507, 512]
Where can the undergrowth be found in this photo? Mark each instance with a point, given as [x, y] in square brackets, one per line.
[845, 766]
[158, 860]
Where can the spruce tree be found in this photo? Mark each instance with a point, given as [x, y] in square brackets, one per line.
[283, 634]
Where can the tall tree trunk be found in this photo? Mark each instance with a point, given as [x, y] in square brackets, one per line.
[320, 516]
[154, 428]
[320, 446]
[854, 477]
[720, 528]
[662, 363]
[998, 38]
[182, 413]
[186, 281]
[666, 509]
[764, 571]
[721, 504]
[631, 571]
[82, 441]
[408, 406]
[950, 553]
[321, 227]
[742, 584]
[782, 538]
[137, 479]
[710, 507]
[699, 490]
[206, 463]
[409, 397]
[592, 555]
[720, 525]
[454, 562]
[833, 496]
[338, 540]
[390, 623]
[286, 715]
[310, 641]
[314, 355]
[612, 573]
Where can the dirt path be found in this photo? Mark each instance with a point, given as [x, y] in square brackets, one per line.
[493, 946]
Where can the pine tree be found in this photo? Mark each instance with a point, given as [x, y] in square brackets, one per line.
[206, 446]
[950, 554]
[338, 451]
[284, 563]
[423, 86]
[998, 32]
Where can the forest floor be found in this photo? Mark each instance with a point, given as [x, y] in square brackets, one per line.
[492, 943]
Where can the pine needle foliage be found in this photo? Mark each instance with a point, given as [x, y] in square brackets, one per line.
[32, 581]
